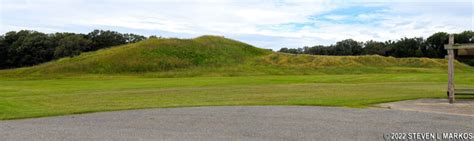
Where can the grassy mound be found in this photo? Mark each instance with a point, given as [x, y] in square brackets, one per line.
[154, 55]
[314, 64]
[215, 55]
[317, 61]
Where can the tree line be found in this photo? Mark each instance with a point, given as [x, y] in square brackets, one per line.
[431, 47]
[27, 47]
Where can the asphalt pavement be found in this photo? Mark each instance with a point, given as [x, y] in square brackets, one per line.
[235, 123]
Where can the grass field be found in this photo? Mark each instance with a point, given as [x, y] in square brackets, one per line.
[48, 97]
[209, 71]
[218, 56]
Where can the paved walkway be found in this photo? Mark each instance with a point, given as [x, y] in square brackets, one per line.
[235, 123]
[460, 107]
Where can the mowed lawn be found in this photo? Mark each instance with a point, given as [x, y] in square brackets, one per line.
[26, 98]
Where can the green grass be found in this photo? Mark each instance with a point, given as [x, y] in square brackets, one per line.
[153, 55]
[211, 71]
[218, 56]
[48, 97]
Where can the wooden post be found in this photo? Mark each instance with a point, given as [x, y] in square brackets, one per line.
[451, 70]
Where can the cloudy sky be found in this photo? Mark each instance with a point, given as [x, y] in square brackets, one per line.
[263, 23]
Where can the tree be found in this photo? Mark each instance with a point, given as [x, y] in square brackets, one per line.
[71, 46]
[27, 47]
[284, 50]
[408, 47]
[348, 47]
[295, 50]
[8, 56]
[373, 47]
[318, 49]
[435, 45]
[133, 38]
[464, 37]
[4, 53]
[30, 48]
[105, 38]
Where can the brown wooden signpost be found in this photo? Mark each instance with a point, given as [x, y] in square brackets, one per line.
[456, 51]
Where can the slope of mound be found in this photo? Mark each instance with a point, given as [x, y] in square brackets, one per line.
[155, 55]
[309, 64]
[318, 61]
[219, 56]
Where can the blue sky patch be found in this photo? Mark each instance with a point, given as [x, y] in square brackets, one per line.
[352, 15]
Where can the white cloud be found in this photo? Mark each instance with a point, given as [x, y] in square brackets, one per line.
[243, 19]
[336, 17]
